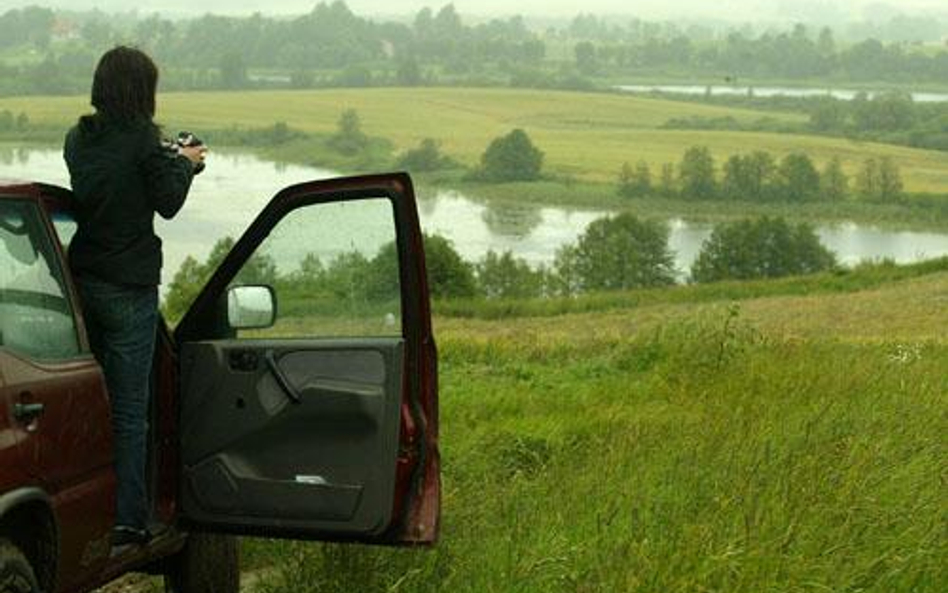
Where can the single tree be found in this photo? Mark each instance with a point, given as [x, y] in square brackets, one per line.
[184, 287]
[736, 182]
[696, 174]
[762, 170]
[512, 157]
[890, 180]
[797, 178]
[448, 274]
[834, 184]
[867, 180]
[667, 185]
[349, 138]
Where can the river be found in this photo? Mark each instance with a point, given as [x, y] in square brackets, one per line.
[236, 186]
[767, 91]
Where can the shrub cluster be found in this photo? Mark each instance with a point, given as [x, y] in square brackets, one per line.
[759, 177]
[762, 248]
[619, 252]
[427, 156]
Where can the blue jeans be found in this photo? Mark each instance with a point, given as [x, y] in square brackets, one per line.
[121, 322]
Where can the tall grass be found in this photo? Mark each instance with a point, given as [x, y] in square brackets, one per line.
[704, 456]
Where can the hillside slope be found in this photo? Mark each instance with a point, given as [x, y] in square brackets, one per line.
[793, 443]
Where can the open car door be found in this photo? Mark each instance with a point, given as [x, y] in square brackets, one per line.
[308, 373]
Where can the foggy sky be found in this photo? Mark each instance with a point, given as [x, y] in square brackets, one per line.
[732, 10]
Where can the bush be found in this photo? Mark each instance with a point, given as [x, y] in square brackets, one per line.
[762, 248]
[349, 138]
[511, 158]
[506, 276]
[448, 274]
[635, 182]
[426, 157]
[616, 253]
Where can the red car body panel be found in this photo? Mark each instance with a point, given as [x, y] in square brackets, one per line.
[67, 451]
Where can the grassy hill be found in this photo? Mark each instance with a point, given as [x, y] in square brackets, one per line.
[586, 136]
[792, 442]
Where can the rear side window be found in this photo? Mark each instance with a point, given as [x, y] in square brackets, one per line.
[36, 318]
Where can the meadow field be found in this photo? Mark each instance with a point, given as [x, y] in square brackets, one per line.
[750, 442]
[585, 136]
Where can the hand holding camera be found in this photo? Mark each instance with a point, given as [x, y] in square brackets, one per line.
[192, 147]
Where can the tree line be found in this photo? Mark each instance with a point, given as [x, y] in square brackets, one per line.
[332, 46]
[760, 177]
[893, 117]
[620, 252]
[799, 54]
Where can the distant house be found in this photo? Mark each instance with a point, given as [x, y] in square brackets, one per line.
[64, 30]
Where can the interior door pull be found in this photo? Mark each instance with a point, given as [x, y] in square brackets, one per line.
[281, 379]
[26, 413]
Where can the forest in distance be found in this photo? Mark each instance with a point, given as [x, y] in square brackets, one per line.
[46, 51]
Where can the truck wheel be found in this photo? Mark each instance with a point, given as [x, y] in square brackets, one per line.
[16, 574]
[207, 564]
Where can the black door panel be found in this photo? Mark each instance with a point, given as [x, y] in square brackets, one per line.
[250, 447]
[328, 427]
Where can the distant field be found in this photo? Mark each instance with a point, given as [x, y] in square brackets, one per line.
[584, 135]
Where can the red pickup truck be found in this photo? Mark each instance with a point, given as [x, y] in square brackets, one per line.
[278, 409]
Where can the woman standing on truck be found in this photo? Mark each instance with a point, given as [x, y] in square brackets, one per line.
[121, 174]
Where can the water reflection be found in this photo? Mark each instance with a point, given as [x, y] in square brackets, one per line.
[236, 186]
[516, 221]
[10, 154]
[532, 233]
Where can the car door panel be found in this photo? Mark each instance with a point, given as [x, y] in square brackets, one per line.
[304, 429]
[260, 449]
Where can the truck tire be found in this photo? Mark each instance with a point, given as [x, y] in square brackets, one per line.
[16, 574]
[208, 563]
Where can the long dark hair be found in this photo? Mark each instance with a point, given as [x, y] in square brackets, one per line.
[124, 85]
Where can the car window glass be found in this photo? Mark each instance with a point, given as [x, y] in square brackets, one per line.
[334, 269]
[35, 316]
[65, 225]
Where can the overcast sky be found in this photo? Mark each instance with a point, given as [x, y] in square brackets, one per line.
[740, 10]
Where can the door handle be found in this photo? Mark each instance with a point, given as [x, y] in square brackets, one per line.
[26, 413]
[281, 379]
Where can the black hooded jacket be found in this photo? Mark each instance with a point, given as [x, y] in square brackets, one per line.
[121, 175]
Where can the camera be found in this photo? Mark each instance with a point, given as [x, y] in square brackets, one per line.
[182, 140]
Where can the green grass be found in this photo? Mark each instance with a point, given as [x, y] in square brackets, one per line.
[843, 281]
[586, 136]
[793, 442]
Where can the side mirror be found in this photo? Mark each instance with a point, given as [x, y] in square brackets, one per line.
[250, 307]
